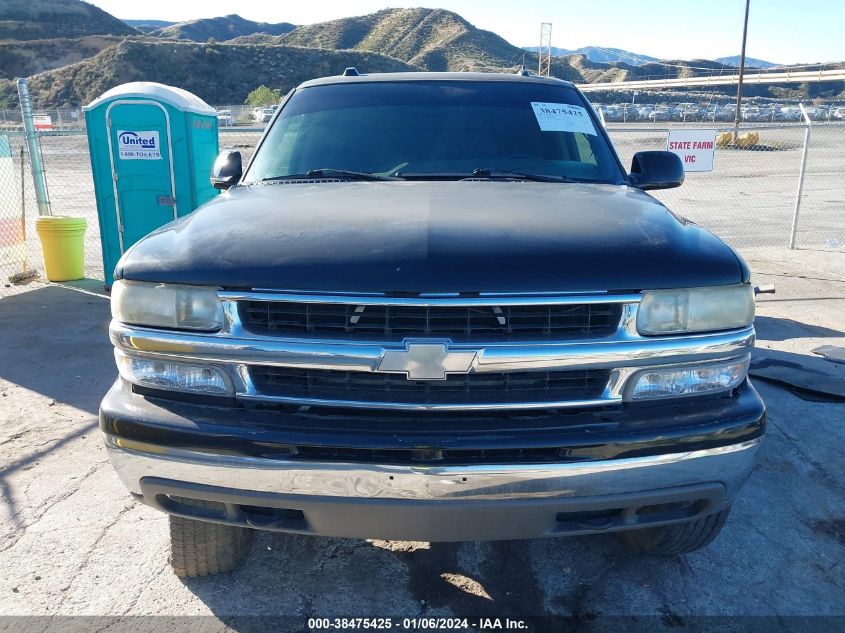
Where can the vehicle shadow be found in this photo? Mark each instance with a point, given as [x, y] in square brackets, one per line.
[55, 342]
[357, 578]
[779, 329]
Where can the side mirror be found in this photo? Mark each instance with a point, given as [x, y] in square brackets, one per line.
[656, 170]
[227, 169]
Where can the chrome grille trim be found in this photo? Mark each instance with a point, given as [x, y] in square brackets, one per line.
[235, 349]
[430, 301]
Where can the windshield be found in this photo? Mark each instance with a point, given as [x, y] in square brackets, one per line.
[437, 129]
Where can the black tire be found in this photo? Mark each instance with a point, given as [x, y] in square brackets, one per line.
[675, 539]
[200, 548]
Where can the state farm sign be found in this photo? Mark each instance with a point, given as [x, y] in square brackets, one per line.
[695, 148]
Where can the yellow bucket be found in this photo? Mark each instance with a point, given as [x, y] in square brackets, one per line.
[62, 244]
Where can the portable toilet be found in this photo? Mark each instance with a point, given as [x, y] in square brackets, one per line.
[152, 147]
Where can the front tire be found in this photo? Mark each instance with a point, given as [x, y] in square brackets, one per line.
[675, 539]
[200, 548]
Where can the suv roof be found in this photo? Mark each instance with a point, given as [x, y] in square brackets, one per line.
[431, 76]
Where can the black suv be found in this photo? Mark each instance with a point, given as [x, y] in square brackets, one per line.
[433, 307]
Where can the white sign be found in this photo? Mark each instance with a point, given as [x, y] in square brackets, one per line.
[42, 122]
[563, 117]
[695, 148]
[138, 145]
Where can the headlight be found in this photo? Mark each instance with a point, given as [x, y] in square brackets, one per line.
[689, 381]
[159, 374]
[166, 305]
[695, 309]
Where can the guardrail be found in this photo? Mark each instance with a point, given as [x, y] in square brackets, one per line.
[720, 80]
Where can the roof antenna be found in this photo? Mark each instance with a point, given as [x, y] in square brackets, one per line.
[351, 72]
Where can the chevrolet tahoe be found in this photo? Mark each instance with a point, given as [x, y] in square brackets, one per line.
[433, 307]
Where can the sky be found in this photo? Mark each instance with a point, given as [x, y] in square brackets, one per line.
[780, 31]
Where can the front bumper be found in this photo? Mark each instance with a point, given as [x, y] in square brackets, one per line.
[652, 466]
[437, 504]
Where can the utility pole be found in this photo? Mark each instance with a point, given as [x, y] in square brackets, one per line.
[741, 70]
[544, 68]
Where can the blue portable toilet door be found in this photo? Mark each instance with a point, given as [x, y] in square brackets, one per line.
[140, 144]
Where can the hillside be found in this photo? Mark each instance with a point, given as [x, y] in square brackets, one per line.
[600, 54]
[752, 62]
[220, 29]
[433, 39]
[218, 73]
[97, 51]
[22, 59]
[146, 26]
[46, 19]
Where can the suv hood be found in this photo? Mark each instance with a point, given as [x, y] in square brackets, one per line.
[434, 237]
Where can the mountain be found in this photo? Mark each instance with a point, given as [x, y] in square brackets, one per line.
[220, 29]
[73, 69]
[749, 61]
[611, 55]
[22, 59]
[600, 54]
[45, 19]
[217, 73]
[433, 39]
[147, 26]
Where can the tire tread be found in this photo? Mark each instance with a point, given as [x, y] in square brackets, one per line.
[676, 539]
[201, 548]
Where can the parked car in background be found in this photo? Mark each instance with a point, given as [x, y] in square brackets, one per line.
[225, 118]
[788, 113]
[263, 115]
[660, 114]
[691, 113]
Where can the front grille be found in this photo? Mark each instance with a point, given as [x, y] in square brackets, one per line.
[458, 389]
[562, 322]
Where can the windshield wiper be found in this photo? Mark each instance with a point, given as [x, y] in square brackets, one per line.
[518, 175]
[343, 174]
[489, 174]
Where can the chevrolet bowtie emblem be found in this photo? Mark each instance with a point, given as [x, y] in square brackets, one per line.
[426, 361]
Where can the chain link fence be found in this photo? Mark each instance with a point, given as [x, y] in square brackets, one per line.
[14, 249]
[748, 199]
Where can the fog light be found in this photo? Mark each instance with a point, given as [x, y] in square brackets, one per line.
[173, 376]
[689, 381]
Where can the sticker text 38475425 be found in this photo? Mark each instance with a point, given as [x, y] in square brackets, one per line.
[563, 117]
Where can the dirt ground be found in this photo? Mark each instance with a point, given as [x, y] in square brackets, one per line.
[73, 542]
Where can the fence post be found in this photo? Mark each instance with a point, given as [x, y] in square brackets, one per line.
[794, 234]
[33, 143]
[25, 262]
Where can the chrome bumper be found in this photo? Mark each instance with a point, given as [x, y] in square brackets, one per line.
[728, 465]
[454, 503]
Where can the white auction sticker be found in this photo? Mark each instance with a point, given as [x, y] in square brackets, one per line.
[695, 148]
[138, 145]
[563, 117]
